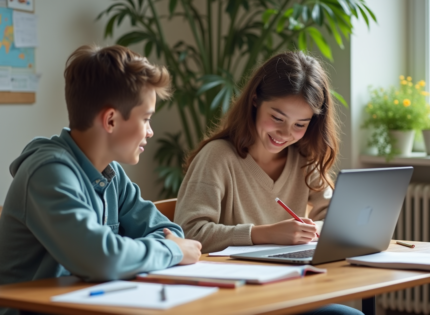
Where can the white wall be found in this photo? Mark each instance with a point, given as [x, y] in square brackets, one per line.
[378, 57]
[62, 27]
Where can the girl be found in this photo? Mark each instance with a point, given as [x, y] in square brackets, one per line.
[279, 139]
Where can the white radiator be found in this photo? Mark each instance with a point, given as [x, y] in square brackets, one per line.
[413, 225]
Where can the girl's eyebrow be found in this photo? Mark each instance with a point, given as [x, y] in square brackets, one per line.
[283, 114]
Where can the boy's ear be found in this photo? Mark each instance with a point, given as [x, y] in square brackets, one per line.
[108, 119]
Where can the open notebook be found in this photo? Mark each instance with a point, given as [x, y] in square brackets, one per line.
[207, 273]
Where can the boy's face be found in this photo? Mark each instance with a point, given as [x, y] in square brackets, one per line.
[131, 135]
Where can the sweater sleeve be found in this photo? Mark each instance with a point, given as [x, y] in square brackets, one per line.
[202, 202]
[67, 227]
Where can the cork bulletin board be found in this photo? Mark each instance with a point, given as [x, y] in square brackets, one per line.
[18, 25]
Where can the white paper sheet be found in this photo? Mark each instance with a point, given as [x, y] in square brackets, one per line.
[24, 29]
[232, 250]
[27, 5]
[146, 295]
[5, 79]
[23, 80]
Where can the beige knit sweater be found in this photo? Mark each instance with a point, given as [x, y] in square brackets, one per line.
[223, 196]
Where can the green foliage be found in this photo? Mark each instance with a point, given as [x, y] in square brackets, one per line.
[404, 108]
[207, 72]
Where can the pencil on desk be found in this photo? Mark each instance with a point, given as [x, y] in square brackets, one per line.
[405, 244]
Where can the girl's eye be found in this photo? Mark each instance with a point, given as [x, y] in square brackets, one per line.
[300, 126]
[276, 118]
[147, 119]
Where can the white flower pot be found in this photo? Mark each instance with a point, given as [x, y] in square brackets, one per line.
[404, 141]
[426, 137]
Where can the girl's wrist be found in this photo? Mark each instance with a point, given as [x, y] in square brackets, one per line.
[260, 235]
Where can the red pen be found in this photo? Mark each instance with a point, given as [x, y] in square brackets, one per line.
[291, 212]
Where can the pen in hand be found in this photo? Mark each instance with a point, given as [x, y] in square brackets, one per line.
[108, 290]
[163, 293]
[291, 212]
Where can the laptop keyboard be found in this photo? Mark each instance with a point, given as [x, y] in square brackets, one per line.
[300, 254]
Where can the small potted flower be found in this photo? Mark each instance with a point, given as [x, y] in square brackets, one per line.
[395, 115]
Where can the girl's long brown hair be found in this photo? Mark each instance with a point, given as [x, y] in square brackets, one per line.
[290, 73]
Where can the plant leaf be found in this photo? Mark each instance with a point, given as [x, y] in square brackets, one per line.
[172, 6]
[317, 15]
[339, 98]
[148, 48]
[217, 99]
[132, 38]
[321, 42]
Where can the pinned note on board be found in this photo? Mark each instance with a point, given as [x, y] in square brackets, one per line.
[25, 5]
[24, 29]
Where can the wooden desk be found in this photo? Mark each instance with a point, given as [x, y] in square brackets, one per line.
[342, 282]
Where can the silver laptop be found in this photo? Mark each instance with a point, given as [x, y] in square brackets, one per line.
[360, 219]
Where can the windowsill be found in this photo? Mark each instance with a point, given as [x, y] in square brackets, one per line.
[414, 159]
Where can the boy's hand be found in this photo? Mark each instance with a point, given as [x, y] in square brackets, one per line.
[190, 248]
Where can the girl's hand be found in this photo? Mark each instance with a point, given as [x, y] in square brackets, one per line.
[288, 232]
[190, 248]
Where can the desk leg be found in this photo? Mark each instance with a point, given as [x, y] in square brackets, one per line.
[369, 306]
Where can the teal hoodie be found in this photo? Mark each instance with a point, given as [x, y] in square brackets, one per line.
[61, 216]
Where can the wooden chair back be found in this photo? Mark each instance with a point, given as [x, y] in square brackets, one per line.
[167, 207]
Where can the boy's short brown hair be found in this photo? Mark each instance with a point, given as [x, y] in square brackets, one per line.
[98, 78]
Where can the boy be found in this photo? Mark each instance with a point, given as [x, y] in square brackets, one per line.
[71, 209]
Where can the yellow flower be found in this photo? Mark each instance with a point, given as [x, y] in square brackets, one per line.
[406, 102]
[409, 78]
[410, 83]
[417, 86]
[404, 82]
[424, 93]
[396, 102]
[402, 77]
[374, 116]
[422, 83]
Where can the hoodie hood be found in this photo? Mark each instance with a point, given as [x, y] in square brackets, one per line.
[39, 145]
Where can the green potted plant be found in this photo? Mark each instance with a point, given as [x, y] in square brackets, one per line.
[229, 38]
[394, 115]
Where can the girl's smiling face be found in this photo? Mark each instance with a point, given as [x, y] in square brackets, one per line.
[280, 123]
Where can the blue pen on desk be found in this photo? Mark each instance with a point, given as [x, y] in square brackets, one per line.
[108, 290]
